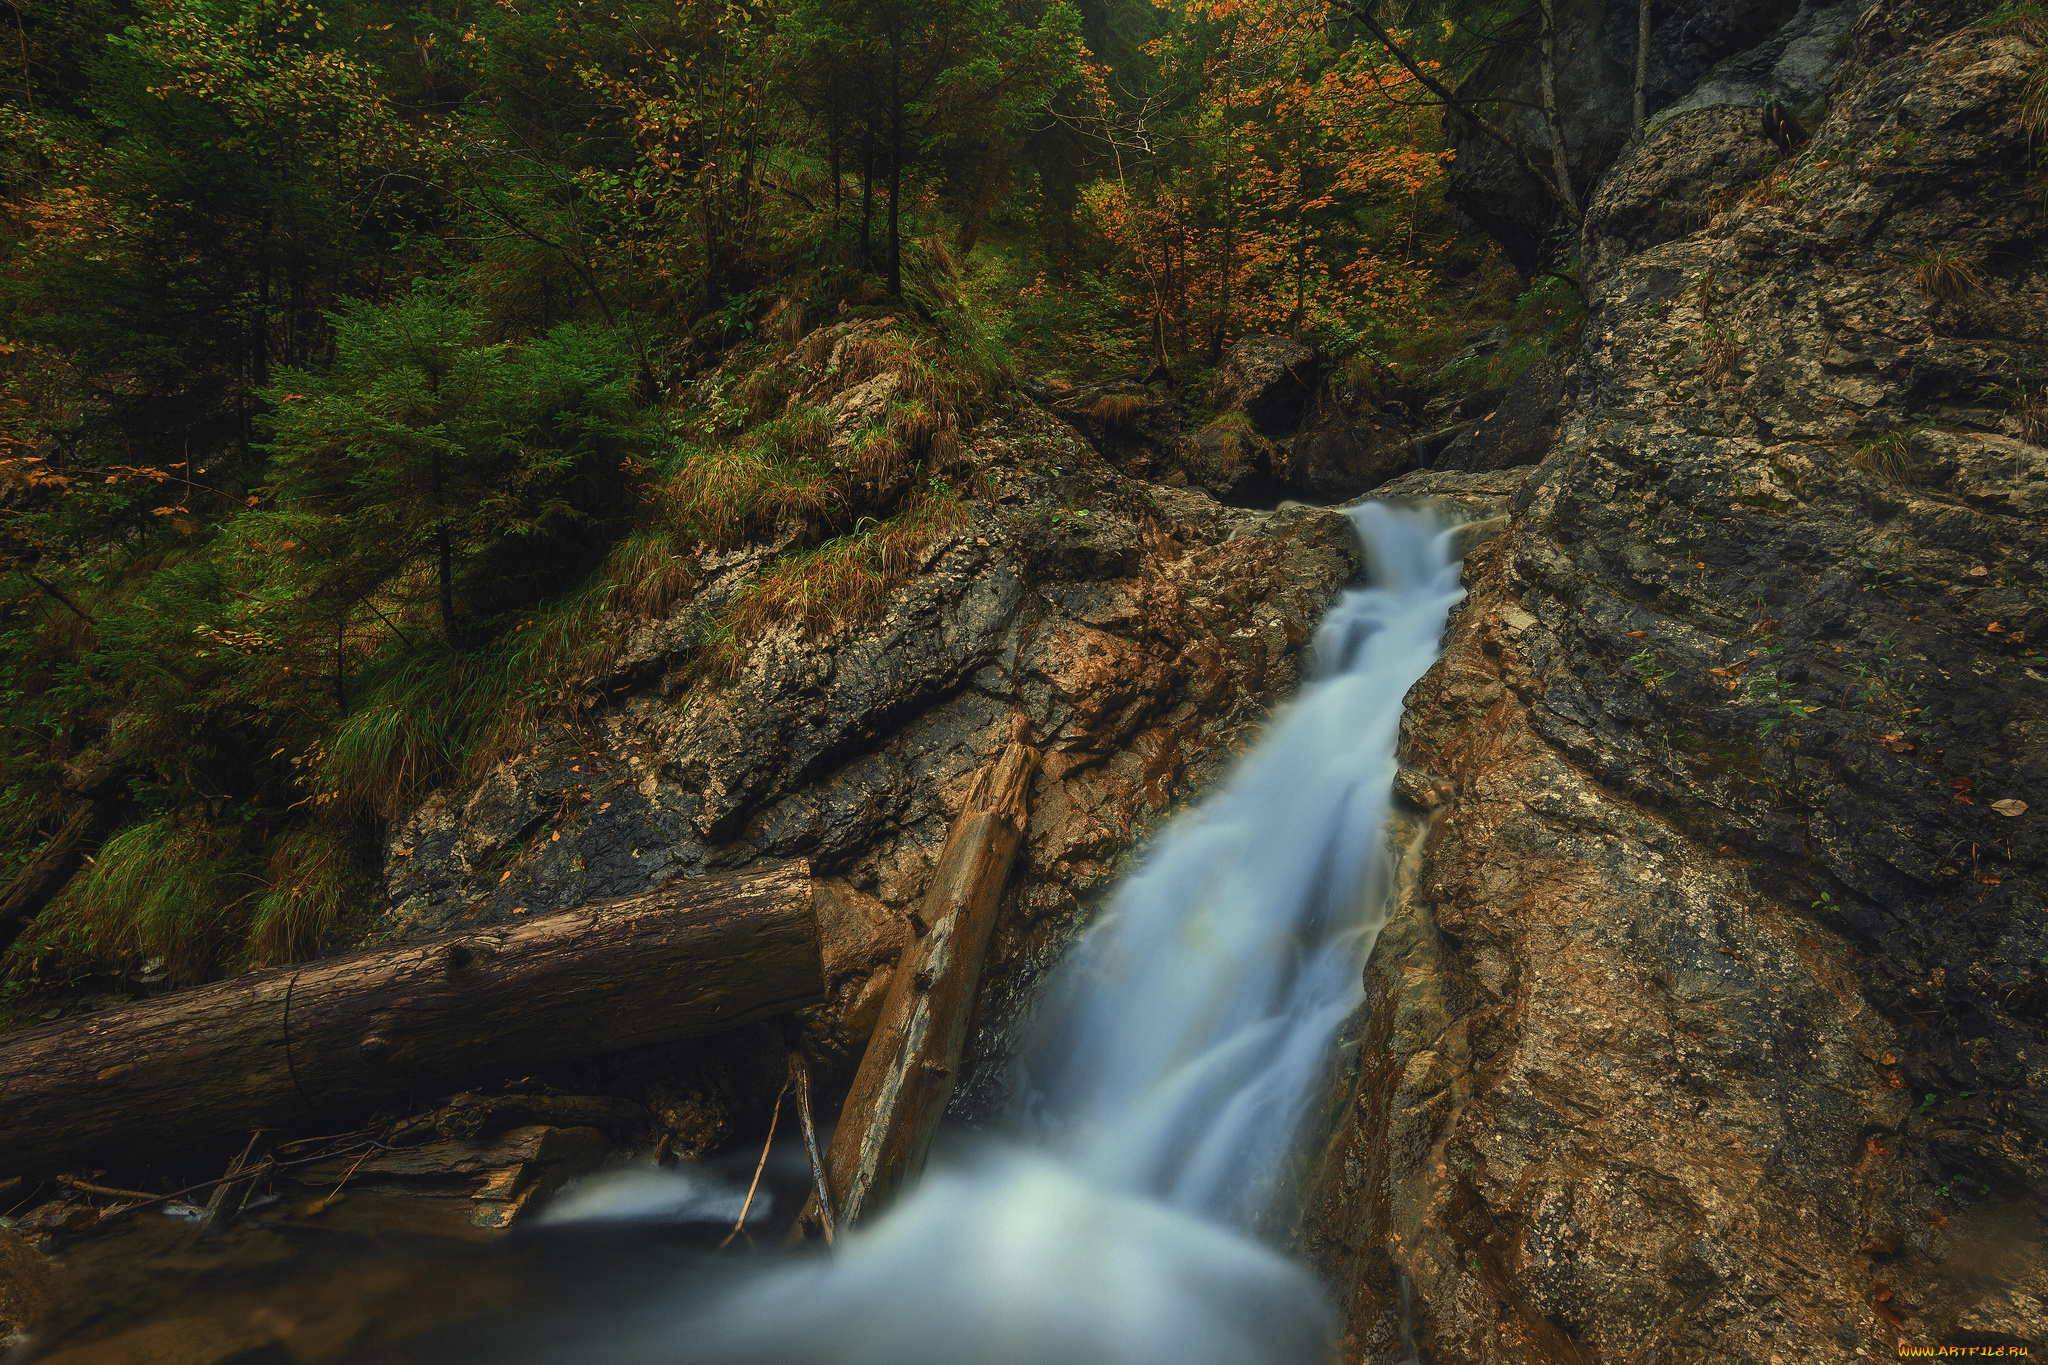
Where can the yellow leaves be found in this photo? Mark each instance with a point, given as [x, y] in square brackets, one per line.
[2011, 808]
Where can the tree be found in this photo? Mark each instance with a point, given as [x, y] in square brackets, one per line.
[414, 464]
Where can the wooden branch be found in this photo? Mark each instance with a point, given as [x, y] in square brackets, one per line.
[160, 1076]
[906, 1075]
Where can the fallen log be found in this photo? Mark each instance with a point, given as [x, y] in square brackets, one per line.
[906, 1074]
[695, 956]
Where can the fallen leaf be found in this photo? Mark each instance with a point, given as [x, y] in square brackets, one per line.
[1720, 672]
[1962, 784]
[1637, 634]
[1880, 1292]
[506, 877]
[1885, 1242]
[1890, 1060]
[1727, 848]
[2009, 807]
[1892, 1080]
[1995, 626]
[1879, 1148]
[1992, 881]
[1889, 1314]
[1964, 797]
[1898, 746]
[518, 909]
[556, 838]
[1979, 572]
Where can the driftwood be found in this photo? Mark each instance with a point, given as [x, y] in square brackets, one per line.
[906, 1074]
[693, 957]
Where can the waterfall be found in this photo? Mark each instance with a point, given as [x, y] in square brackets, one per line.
[1180, 1046]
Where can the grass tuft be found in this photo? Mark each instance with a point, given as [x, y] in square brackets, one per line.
[1889, 458]
[165, 887]
[1117, 411]
[315, 878]
[1944, 276]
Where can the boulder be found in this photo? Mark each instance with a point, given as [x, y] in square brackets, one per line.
[1228, 460]
[1339, 458]
[1134, 427]
[1272, 380]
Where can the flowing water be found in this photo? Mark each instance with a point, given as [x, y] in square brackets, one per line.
[1182, 1044]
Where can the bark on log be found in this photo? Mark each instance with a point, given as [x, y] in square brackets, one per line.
[693, 957]
[906, 1074]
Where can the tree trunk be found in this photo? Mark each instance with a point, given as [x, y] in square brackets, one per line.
[36, 884]
[258, 1050]
[1642, 63]
[906, 1074]
[895, 174]
[1560, 163]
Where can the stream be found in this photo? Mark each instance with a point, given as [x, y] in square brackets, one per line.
[1158, 1098]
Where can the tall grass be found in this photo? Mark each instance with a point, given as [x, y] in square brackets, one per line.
[169, 886]
[314, 879]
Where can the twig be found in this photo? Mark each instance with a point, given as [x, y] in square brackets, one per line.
[335, 1193]
[800, 1072]
[75, 1183]
[762, 1166]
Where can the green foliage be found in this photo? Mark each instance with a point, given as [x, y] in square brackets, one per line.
[426, 457]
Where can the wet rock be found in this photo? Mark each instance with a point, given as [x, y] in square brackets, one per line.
[1272, 380]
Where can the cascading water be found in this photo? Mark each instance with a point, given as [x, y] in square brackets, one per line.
[1185, 1038]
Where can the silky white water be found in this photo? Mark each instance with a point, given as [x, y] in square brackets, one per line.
[1181, 1045]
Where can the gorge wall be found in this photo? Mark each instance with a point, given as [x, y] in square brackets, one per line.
[1712, 1027]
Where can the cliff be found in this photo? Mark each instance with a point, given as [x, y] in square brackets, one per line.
[1712, 1027]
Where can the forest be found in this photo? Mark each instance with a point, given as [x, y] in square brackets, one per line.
[365, 366]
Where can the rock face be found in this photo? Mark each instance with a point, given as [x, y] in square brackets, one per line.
[1673, 182]
[1711, 1027]
[1755, 43]
[1140, 630]
[1518, 428]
